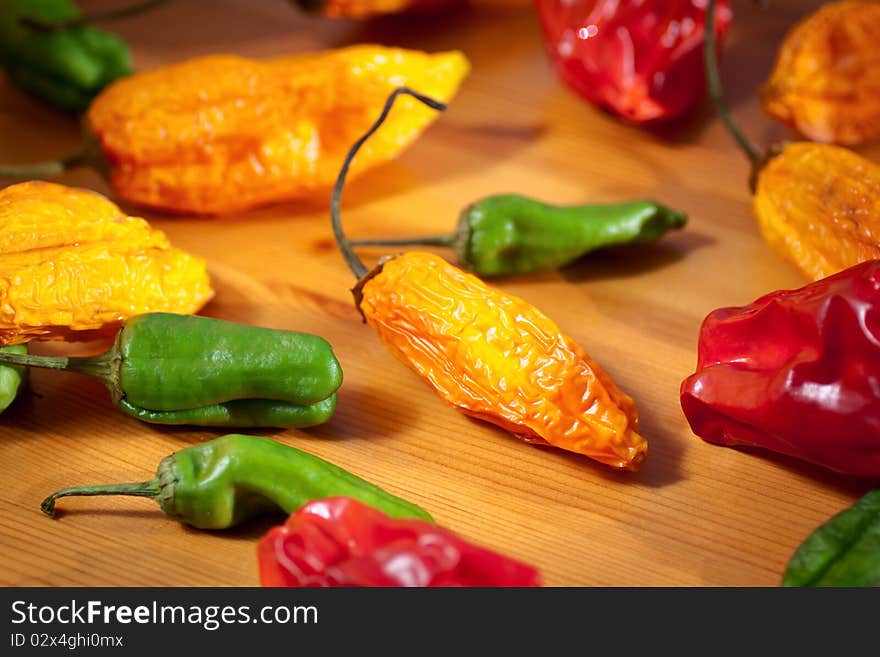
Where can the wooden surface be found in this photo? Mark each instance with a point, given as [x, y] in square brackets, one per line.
[695, 515]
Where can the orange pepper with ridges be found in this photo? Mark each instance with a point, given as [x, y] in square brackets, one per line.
[223, 133]
[73, 265]
[826, 81]
[492, 355]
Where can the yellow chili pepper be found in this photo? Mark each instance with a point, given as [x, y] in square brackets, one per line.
[72, 264]
[489, 354]
[223, 134]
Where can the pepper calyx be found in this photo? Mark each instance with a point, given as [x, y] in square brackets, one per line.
[166, 478]
[358, 290]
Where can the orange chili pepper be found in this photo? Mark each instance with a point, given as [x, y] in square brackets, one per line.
[223, 134]
[489, 354]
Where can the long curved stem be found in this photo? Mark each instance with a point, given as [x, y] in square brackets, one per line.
[47, 168]
[430, 240]
[716, 92]
[89, 19]
[138, 489]
[357, 267]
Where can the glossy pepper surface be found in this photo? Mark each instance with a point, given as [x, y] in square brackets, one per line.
[233, 478]
[816, 204]
[73, 264]
[65, 67]
[223, 134]
[639, 59]
[510, 234]
[795, 372]
[341, 542]
[492, 355]
[843, 552]
[826, 81]
[182, 369]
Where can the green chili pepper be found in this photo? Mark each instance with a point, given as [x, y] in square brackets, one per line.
[65, 67]
[184, 369]
[844, 552]
[11, 376]
[510, 234]
[233, 478]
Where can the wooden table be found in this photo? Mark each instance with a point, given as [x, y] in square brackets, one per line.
[695, 515]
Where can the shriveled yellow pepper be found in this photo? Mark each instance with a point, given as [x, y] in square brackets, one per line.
[826, 81]
[73, 264]
[817, 205]
[490, 354]
[223, 133]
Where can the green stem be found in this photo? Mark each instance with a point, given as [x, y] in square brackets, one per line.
[89, 19]
[357, 267]
[97, 366]
[430, 240]
[716, 92]
[48, 168]
[139, 489]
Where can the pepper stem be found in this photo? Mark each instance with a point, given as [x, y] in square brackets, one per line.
[140, 489]
[430, 240]
[90, 18]
[98, 366]
[49, 168]
[357, 267]
[716, 92]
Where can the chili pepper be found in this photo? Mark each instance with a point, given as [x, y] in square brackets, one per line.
[490, 354]
[639, 59]
[11, 377]
[817, 205]
[234, 478]
[796, 372]
[224, 134]
[511, 234]
[826, 81]
[65, 67]
[72, 264]
[844, 552]
[341, 542]
[183, 369]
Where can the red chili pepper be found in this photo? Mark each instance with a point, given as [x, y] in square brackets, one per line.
[341, 542]
[640, 59]
[797, 372]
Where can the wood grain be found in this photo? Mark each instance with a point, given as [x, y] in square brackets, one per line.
[696, 515]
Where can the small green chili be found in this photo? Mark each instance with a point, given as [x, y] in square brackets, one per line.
[11, 376]
[185, 369]
[510, 234]
[233, 478]
[844, 552]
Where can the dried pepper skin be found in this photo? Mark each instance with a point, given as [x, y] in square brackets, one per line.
[826, 81]
[795, 372]
[639, 59]
[72, 263]
[497, 358]
[819, 207]
[341, 542]
[223, 134]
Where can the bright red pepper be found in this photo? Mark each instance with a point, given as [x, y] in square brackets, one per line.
[640, 59]
[796, 372]
[341, 542]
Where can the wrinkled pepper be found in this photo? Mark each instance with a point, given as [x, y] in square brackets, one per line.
[233, 478]
[510, 234]
[341, 542]
[12, 377]
[73, 265]
[491, 355]
[184, 369]
[843, 552]
[795, 372]
[826, 81]
[638, 59]
[224, 134]
[817, 205]
[64, 67]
